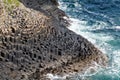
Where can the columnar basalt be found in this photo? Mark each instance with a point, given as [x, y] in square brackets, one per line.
[35, 40]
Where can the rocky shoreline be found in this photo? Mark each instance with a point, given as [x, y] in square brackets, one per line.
[35, 40]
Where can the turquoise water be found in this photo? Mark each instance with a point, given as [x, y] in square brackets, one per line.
[99, 22]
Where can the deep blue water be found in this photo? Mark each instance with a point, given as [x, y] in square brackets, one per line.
[99, 22]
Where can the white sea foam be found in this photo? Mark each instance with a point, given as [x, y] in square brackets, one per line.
[117, 27]
[55, 77]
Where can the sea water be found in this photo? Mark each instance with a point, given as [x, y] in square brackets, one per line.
[99, 22]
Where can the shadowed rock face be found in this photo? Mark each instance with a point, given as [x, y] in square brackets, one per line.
[35, 40]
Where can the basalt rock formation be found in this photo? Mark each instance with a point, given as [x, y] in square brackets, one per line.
[35, 40]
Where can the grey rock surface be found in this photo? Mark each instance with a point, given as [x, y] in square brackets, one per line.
[35, 40]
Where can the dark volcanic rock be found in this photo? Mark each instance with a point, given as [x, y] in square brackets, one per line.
[35, 40]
